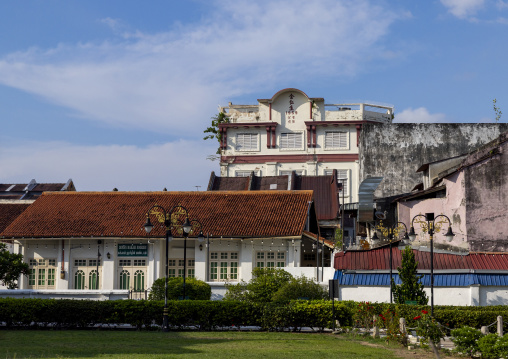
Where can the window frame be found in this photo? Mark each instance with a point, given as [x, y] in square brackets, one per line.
[339, 179]
[254, 138]
[296, 133]
[224, 266]
[264, 258]
[331, 148]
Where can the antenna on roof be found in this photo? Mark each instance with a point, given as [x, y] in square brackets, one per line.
[197, 188]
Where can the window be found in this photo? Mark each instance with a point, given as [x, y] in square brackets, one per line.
[288, 173]
[134, 269]
[175, 268]
[342, 177]
[223, 266]
[247, 142]
[244, 173]
[336, 140]
[291, 141]
[42, 273]
[270, 259]
[86, 275]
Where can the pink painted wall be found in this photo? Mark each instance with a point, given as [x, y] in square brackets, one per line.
[453, 206]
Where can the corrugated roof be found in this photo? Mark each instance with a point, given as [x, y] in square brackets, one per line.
[440, 280]
[378, 259]
[122, 214]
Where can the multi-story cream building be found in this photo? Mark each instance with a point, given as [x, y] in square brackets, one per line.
[294, 132]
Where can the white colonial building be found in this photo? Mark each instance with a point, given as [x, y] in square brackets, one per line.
[294, 132]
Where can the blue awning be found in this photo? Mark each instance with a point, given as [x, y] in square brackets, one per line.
[440, 280]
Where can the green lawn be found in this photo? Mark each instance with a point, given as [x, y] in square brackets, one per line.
[130, 344]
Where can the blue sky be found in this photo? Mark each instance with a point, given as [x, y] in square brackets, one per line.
[117, 93]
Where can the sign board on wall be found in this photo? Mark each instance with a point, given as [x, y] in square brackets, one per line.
[132, 250]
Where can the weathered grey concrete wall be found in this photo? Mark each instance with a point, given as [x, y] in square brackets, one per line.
[396, 151]
[486, 187]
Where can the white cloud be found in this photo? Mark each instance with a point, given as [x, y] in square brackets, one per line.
[172, 81]
[419, 115]
[463, 9]
[180, 165]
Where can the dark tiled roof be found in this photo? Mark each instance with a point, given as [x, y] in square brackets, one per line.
[379, 259]
[122, 214]
[325, 188]
[9, 212]
[325, 194]
[231, 184]
[266, 183]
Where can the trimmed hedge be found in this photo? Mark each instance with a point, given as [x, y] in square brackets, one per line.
[212, 315]
[201, 315]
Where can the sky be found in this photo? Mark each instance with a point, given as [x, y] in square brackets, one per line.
[117, 93]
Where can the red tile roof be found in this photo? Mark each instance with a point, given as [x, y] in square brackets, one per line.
[254, 214]
[379, 259]
[9, 212]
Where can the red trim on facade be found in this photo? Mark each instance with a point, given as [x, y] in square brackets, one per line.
[246, 124]
[270, 112]
[314, 144]
[310, 109]
[274, 138]
[337, 123]
[309, 135]
[268, 135]
[290, 158]
[358, 131]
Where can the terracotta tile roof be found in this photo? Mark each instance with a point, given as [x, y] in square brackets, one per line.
[122, 214]
[379, 259]
[9, 212]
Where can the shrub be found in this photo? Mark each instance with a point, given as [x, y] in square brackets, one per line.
[261, 288]
[428, 328]
[194, 289]
[298, 288]
[501, 347]
[466, 340]
[487, 346]
[364, 315]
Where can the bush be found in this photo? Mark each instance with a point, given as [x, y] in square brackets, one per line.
[501, 347]
[487, 346]
[466, 340]
[300, 288]
[261, 288]
[194, 289]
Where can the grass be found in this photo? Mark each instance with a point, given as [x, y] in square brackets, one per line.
[182, 345]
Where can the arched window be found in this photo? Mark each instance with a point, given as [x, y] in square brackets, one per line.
[92, 279]
[125, 277]
[139, 281]
[79, 280]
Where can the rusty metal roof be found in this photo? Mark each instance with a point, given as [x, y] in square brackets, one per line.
[379, 259]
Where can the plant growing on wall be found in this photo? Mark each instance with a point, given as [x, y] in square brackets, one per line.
[411, 289]
[497, 110]
[11, 267]
[213, 131]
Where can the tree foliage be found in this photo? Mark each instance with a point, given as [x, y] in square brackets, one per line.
[411, 289]
[11, 267]
[275, 285]
[194, 289]
[213, 132]
[497, 110]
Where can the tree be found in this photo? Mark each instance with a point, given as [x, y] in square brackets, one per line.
[411, 289]
[194, 289]
[11, 267]
[497, 110]
[261, 288]
[213, 130]
[300, 288]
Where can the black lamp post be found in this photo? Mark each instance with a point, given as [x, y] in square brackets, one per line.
[431, 224]
[391, 232]
[166, 217]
